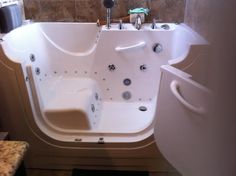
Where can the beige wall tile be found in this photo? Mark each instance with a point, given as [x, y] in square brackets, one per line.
[198, 15]
[57, 10]
[91, 10]
[32, 9]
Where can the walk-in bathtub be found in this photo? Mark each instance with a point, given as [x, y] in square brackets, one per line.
[82, 95]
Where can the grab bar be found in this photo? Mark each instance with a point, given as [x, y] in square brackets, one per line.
[135, 46]
[174, 86]
[35, 96]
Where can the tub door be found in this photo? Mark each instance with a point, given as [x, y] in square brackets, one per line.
[182, 124]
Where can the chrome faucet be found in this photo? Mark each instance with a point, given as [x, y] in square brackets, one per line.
[120, 26]
[108, 4]
[138, 22]
[154, 25]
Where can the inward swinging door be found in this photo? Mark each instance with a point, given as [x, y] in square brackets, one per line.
[182, 130]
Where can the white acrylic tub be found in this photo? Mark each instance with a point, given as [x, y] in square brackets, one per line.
[83, 84]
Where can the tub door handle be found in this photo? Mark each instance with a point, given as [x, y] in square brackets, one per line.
[135, 46]
[174, 87]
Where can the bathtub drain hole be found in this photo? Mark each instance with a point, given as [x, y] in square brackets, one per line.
[165, 26]
[142, 108]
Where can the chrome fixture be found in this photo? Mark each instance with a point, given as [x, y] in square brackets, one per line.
[154, 25]
[157, 48]
[32, 57]
[108, 4]
[143, 67]
[138, 22]
[142, 108]
[165, 26]
[37, 71]
[111, 67]
[120, 24]
[127, 82]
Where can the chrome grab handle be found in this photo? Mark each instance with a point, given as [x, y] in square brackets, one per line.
[135, 46]
[174, 87]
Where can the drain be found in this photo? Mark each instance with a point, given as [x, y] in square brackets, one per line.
[142, 108]
[165, 26]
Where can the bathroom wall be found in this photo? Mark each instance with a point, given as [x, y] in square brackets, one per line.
[91, 10]
[199, 14]
[21, 3]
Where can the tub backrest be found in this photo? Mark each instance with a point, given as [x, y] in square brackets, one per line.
[71, 36]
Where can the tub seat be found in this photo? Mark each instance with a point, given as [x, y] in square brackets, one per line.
[73, 105]
[70, 110]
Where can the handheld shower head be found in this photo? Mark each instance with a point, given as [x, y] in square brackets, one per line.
[108, 3]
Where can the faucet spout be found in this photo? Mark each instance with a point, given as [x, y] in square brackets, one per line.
[108, 18]
[138, 22]
[108, 5]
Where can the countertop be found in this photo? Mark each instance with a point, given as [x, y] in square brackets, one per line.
[11, 156]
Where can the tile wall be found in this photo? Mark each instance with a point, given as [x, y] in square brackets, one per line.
[91, 10]
[200, 14]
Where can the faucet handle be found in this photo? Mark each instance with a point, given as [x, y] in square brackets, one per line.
[120, 24]
[138, 22]
[154, 25]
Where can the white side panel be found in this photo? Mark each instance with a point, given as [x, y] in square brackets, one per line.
[182, 126]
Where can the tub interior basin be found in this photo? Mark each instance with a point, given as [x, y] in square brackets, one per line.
[73, 105]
